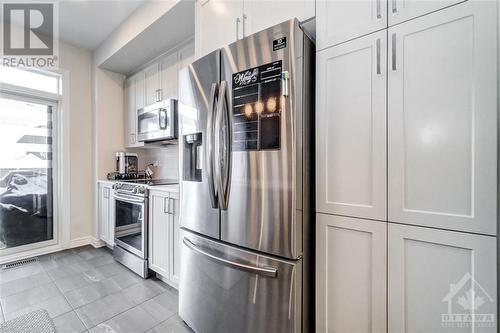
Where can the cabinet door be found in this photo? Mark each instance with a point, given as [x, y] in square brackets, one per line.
[169, 76]
[350, 274]
[339, 21]
[140, 87]
[152, 83]
[104, 213]
[403, 10]
[434, 274]
[130, 112]
[260, 15]
[218, 23]
[351, 127]
[442, 117]
[175, 243]
[159, 233]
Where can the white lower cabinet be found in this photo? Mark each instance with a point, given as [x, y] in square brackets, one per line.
[350, 274]
[106, 210]
[164, 247]
[439, 279]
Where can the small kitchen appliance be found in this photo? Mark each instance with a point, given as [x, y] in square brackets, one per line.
[157, 122]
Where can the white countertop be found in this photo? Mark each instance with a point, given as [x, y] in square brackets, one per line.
[165, 188]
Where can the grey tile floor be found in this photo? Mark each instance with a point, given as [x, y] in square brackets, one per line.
[85, 290]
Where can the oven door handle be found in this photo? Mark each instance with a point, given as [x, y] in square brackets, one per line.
[266, 271]
[128, 199]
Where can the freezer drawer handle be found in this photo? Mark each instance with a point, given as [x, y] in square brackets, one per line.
[266, 271]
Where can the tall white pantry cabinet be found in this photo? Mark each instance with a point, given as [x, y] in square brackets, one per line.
[406, 166]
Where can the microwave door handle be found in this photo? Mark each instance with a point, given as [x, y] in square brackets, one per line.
[162, 124]
[266, 271]
[223, 179]
[210, 151]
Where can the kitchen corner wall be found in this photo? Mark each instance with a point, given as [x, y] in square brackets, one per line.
[168, 158]
[76, 62]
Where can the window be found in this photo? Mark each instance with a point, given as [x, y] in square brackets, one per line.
[37, 80]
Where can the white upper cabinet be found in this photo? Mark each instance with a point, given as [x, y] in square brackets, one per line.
[403, 10]
[262, 14]
[442, 116]
[140, 87]
[186, 55]
[351, 128]
[339, 21]
[130, 113]
[169, 76]
[431, 274]
[350, 274]
[218, 22]
[152, 83]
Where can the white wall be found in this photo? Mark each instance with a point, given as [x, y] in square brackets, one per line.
[76, 63]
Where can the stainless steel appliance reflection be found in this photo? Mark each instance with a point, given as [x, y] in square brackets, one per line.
[246, 112]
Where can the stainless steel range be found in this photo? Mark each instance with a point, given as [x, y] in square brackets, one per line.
[131, 222]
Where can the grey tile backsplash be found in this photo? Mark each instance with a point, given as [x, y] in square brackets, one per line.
[168, 157]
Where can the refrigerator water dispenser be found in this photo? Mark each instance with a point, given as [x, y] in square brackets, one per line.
[193, 157]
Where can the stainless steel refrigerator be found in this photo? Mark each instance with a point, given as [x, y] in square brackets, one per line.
[246, 120]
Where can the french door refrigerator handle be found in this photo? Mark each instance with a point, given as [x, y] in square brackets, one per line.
[223, 113]
[210, 156]
[266, 271]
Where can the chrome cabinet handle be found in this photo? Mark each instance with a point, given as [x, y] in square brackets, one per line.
[379, 12]
[223, 163]
[394, 52]
[243, 25]
[238, 28]
[209, 141]
[266, 271]
[171, 206]
[166, 205]
[394, 6]
[378, 56]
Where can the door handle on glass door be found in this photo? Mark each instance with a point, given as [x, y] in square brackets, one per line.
[266, 271]
[223, 169]
[210, 151]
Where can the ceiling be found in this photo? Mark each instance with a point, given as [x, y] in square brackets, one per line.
[87, 23]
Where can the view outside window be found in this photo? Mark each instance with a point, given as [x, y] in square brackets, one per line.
[26, 172]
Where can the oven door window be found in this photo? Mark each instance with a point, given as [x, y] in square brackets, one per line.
[129, 221]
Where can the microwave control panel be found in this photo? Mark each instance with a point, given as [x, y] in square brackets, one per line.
[257, 100]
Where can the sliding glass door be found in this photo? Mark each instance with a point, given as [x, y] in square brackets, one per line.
[27, 173]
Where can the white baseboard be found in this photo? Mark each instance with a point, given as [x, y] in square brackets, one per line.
[77, 242]
[95, 242]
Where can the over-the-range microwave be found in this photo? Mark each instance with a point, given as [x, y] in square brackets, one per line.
[157, 122]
